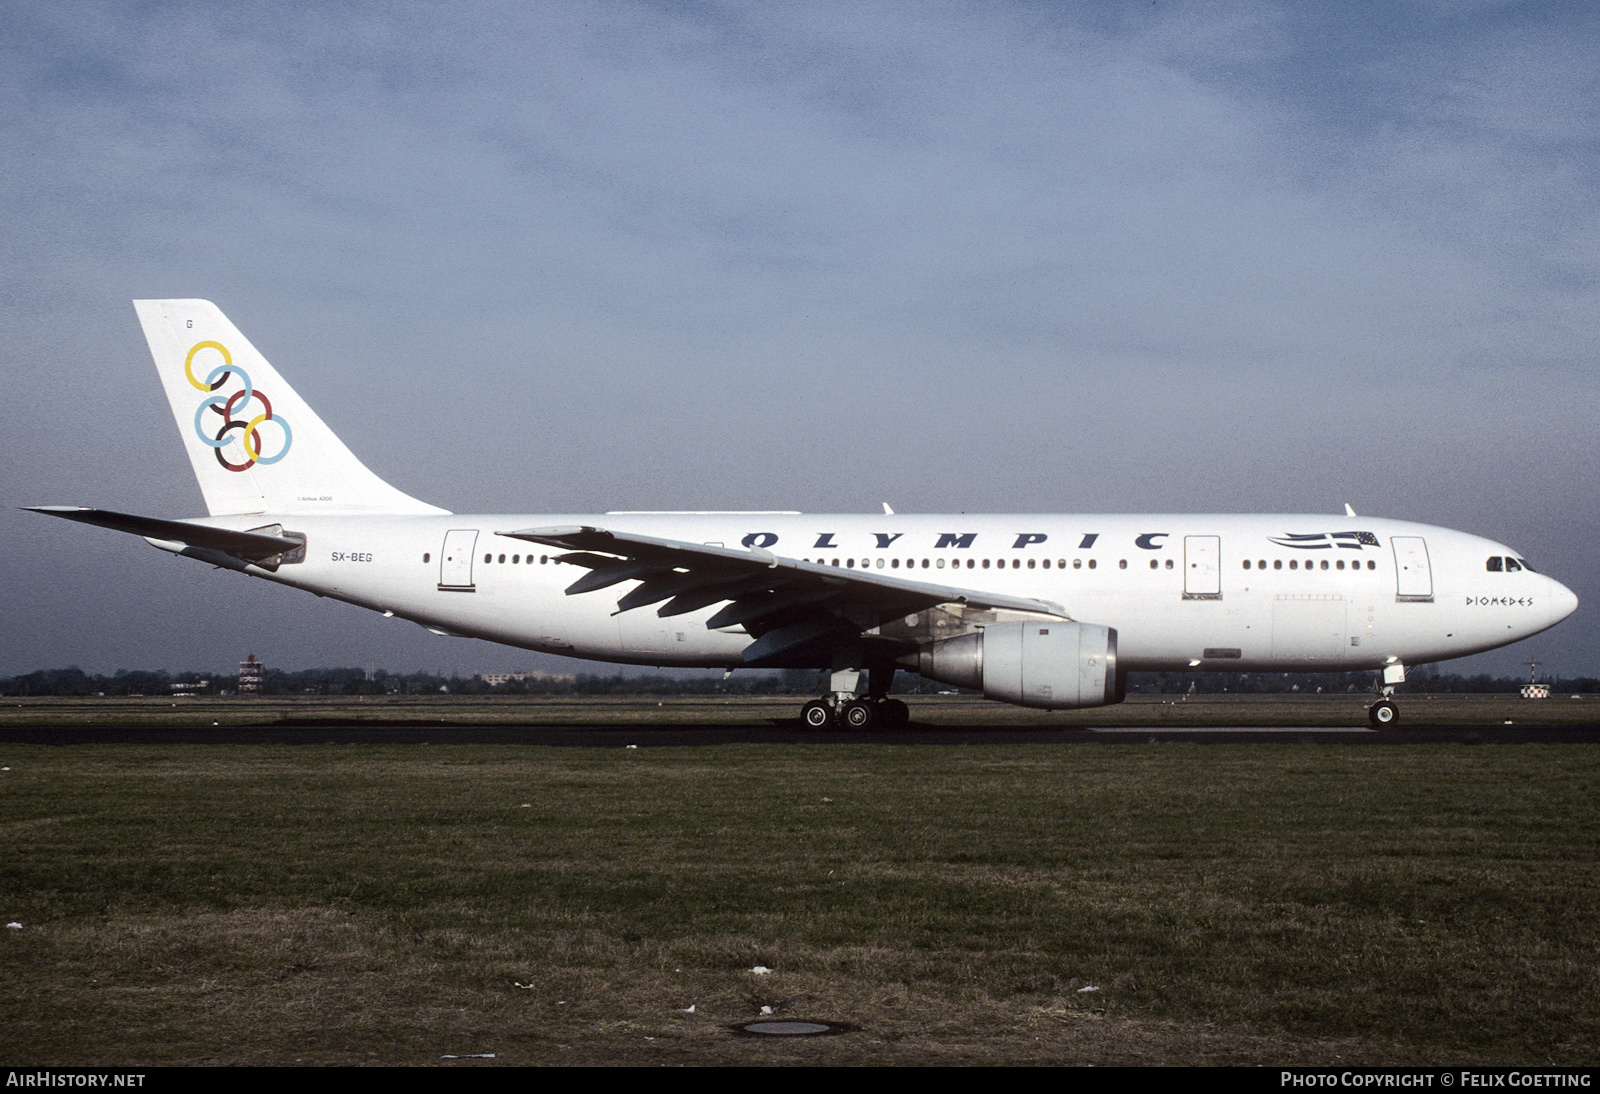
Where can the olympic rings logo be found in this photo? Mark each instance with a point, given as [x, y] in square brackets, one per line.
[233, 410]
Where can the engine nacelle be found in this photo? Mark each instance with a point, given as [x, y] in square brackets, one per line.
[1052, 664]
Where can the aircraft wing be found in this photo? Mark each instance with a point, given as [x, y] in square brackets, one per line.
[252, 545]
[785, 603]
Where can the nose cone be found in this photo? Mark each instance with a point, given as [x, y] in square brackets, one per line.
[1563, 602]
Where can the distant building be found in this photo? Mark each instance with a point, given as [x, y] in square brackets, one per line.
[250, 673]
[494, 679]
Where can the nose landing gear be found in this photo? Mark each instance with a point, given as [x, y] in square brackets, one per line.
[1383, 714]
[1386, 712]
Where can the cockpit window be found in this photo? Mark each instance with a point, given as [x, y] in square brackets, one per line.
[1494, 564]
[1525, 566]
[1512, 564]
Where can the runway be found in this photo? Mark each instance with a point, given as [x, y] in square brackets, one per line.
[785, 733]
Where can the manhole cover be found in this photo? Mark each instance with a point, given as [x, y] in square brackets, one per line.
[791, 1029]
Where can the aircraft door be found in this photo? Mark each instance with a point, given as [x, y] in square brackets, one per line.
[455, 559]
[1202, 567]
[1413, 575]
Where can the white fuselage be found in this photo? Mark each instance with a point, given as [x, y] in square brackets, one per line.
[1223, 592]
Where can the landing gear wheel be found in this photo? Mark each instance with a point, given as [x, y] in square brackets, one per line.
[859, 715]
[816, 715]
[1383, 715]
[893, 714]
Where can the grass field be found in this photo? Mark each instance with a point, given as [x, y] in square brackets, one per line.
[1274, 903]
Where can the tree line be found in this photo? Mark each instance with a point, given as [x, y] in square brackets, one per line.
[74, 681]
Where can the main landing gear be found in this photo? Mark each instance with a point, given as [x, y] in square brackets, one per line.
[856, 714]
[843, 707]
[1385, 712]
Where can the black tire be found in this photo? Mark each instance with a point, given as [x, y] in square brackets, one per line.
[816, 715]
[1383, 715]
[894, 714]
[859, 715]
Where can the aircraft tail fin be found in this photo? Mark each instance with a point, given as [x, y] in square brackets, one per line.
[255, 445]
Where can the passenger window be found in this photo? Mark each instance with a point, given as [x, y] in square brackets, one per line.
[1277, 564]
[939, 565]
[1030, 563]
[1169, 564]
[1122, 564]
[1293, 564]
[1077, 564]
[985, 564]
[1371, 565]
[1324, 564]
[1091, 564]
[1339, 565]
[488, 558]
[1246, 564]
[426, 556]
[1156, 565]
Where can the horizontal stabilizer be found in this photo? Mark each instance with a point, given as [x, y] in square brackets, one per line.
[253, 544]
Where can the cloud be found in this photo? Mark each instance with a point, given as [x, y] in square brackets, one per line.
[813, 254]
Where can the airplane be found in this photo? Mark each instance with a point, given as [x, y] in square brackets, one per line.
[1041, 611]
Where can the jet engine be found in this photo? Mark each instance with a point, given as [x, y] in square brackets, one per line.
[1047, 664]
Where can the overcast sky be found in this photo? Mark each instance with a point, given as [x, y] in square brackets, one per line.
[1042, 257]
